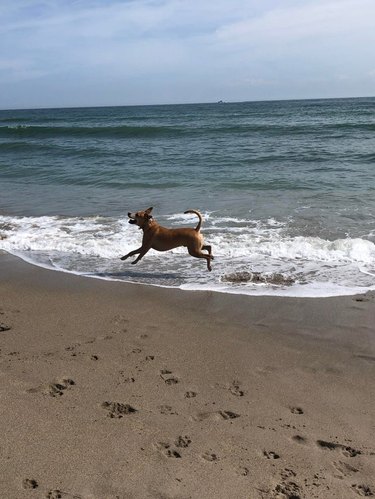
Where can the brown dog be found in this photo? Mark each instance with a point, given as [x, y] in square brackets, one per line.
[161, 239]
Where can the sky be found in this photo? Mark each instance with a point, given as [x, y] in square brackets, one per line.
[67, 53]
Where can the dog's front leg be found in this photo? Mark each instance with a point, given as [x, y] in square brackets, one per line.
[131, 253]
[142, 253]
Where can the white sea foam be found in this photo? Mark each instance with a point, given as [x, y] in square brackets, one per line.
[93, 245]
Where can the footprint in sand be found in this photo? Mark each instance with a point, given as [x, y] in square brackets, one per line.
[299, 439]
[296, 410]
[57, 389]
[190, 395]
[126, 377]
[215, 416]
[228, 415]
[287, 473]
[167, 410]
[30, 483]
[289, 490]
[182, 442]
[235, 389]
[209, 456]
[166, 376]
[366, 297]
[243, 471]
[54, 494]
[118, 410]
[59, 494]
[346, 450]
[168, 451]
[171, 381]
[71, 348]
[271, 454]
[344, 469]
[54, 389]
[363, 490]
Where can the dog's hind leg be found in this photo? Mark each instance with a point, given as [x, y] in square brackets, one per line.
[198, 254]
[209, 249]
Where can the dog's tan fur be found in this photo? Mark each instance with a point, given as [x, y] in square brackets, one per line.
[162, 239]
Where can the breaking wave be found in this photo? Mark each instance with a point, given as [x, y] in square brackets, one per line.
[251, 256]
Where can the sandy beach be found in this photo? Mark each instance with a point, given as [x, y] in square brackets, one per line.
[112, 391]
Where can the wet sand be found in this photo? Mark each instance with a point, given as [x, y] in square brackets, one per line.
[110, 390]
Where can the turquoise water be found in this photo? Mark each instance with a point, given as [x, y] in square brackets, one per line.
[286, 187]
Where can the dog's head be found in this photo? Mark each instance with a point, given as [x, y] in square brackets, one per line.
[140, 218]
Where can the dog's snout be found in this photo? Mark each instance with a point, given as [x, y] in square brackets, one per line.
[132, 217]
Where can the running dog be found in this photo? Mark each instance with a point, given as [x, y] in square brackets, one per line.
[162, 239]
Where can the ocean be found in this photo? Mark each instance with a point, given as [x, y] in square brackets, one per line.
[286, 189]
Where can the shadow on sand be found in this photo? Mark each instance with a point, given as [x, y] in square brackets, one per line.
[145, 276]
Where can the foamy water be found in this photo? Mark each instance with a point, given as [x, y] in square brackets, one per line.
[286, 189]
[92, 246]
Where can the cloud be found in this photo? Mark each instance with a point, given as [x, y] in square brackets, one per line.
[195, 45]
[303, 21]
[319, 28]
[14, 70]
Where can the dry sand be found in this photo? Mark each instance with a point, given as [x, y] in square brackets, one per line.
[109, 390]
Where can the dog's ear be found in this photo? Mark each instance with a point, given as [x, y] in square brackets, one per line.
[148, 211]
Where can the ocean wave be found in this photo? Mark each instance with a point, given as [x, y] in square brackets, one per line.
[93, 245]
[119, 131]
[115, 132]
[107, 237]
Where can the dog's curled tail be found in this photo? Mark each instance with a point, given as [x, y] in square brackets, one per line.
[197, 228]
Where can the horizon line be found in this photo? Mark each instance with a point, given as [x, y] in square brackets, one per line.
[219, 102]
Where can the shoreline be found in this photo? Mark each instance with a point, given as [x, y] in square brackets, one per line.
[280, 291]
[234, 396]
